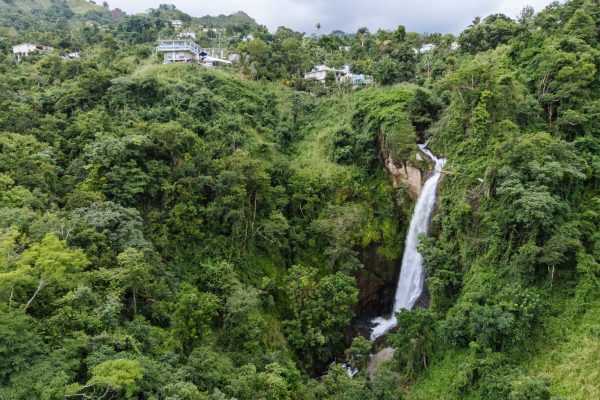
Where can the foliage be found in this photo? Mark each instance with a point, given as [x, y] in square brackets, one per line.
[488, 34]
[319, 308]
[168, 232]
[117, 376]
[414, 343]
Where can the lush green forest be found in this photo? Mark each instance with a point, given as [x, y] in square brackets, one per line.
[183, 233]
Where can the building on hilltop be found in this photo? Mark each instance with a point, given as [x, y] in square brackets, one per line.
[179, 51]
[357, 80]
[188, 51]
[426, 48]
[23, 50]
[187, 35]
[207, 29]
[320, 72]
[176, 23]
[430, 47]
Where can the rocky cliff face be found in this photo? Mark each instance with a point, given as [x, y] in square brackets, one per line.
[377, 286]
[377, 283]
[379, 278]
[406, 175]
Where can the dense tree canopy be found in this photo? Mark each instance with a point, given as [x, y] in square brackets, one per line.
[170, 232]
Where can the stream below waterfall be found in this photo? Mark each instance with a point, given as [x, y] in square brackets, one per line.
[412, 274]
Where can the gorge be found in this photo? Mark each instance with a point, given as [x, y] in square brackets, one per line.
[177, 232]
[412, 274]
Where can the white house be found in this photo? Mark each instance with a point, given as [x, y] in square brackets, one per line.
[176, 23]
[188, 35]
[187, 51]
[25, 49]
[179, 51]
[214, 30]
[426, 48]
[358, 79]
[319, 73]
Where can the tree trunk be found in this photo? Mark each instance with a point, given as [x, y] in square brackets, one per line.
[37, 291]
[134, 302]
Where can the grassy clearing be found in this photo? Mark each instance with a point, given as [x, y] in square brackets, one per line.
[566, 353]
[438, 381]
[570, 357]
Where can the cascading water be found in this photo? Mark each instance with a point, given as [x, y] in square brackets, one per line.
[412, 275]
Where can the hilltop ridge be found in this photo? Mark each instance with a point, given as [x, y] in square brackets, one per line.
[77, 6]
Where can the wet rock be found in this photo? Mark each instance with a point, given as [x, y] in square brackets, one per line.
[424, 299]
[377, 283]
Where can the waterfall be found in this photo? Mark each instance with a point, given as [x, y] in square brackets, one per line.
[412, 274]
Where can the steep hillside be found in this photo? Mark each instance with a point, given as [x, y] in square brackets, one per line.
[178, 232]
[77, 6]
[184, 182]
[513, 260]
[239, 19]
[39, 19]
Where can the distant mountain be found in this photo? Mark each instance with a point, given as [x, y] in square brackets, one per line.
[76, 6]
[238, 22]
[238, 19]
[49, 15]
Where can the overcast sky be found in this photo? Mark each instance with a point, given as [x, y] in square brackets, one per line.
[348, 15]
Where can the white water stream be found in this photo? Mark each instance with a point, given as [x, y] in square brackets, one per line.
[412, 274]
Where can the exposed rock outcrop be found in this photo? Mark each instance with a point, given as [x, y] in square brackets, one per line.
[378, 280]
[407, 175]
[377, 283]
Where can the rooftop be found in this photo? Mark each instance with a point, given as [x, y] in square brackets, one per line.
[178, 45]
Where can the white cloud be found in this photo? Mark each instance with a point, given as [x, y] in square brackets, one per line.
[349, 15]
